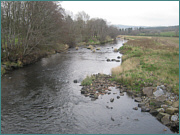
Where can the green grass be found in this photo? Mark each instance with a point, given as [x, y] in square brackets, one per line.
[88, 80]
[163, 34]
[147, 62]
[169, 34]
[93, 41]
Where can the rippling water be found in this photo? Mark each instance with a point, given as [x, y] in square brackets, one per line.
[42, 98]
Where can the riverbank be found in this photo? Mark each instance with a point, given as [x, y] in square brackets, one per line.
[161, 103]
[149, 62]
[14, 61]
[148, 74]
[150, 66]
[94, 41]
[10, 62]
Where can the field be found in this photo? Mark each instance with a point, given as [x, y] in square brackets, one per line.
[162, 34]
[149, 61]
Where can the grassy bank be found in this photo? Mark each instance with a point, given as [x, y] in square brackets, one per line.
[17, 60]
[149, 61]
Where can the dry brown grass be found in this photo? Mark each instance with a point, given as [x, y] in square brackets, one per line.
[149, 60]
[167, 41]
[129, 64]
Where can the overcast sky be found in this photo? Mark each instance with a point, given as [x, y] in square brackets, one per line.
[136, 13]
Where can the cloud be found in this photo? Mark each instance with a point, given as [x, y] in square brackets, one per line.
[147, 13]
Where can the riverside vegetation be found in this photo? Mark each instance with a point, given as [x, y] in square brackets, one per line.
[149, 61]
[149, 72]
[31, 30]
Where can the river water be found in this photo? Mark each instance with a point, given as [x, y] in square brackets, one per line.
[43, 99]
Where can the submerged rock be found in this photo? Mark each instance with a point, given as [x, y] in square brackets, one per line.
[109, 107]
[112, 119]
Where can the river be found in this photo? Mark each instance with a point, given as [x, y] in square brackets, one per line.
[43, 99]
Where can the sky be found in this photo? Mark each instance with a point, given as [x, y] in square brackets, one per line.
[134, 13]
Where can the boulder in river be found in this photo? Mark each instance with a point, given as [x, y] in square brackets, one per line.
[113, 59]
[112, 100]
[135, 108]
[154, 112]
[138, 99]
[145, 109]
[108, 60]
[161, 115]
[121, 94]
[82, 91]
[165, 119]
[115, 50]
[75, 81]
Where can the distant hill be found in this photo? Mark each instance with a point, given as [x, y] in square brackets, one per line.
[165, 28]
[148, 27]
[129, 26]
[166, 31]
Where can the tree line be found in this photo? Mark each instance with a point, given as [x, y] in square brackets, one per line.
[170, 31]
[27, 24]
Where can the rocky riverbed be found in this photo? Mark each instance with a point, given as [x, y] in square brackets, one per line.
[159, 101]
